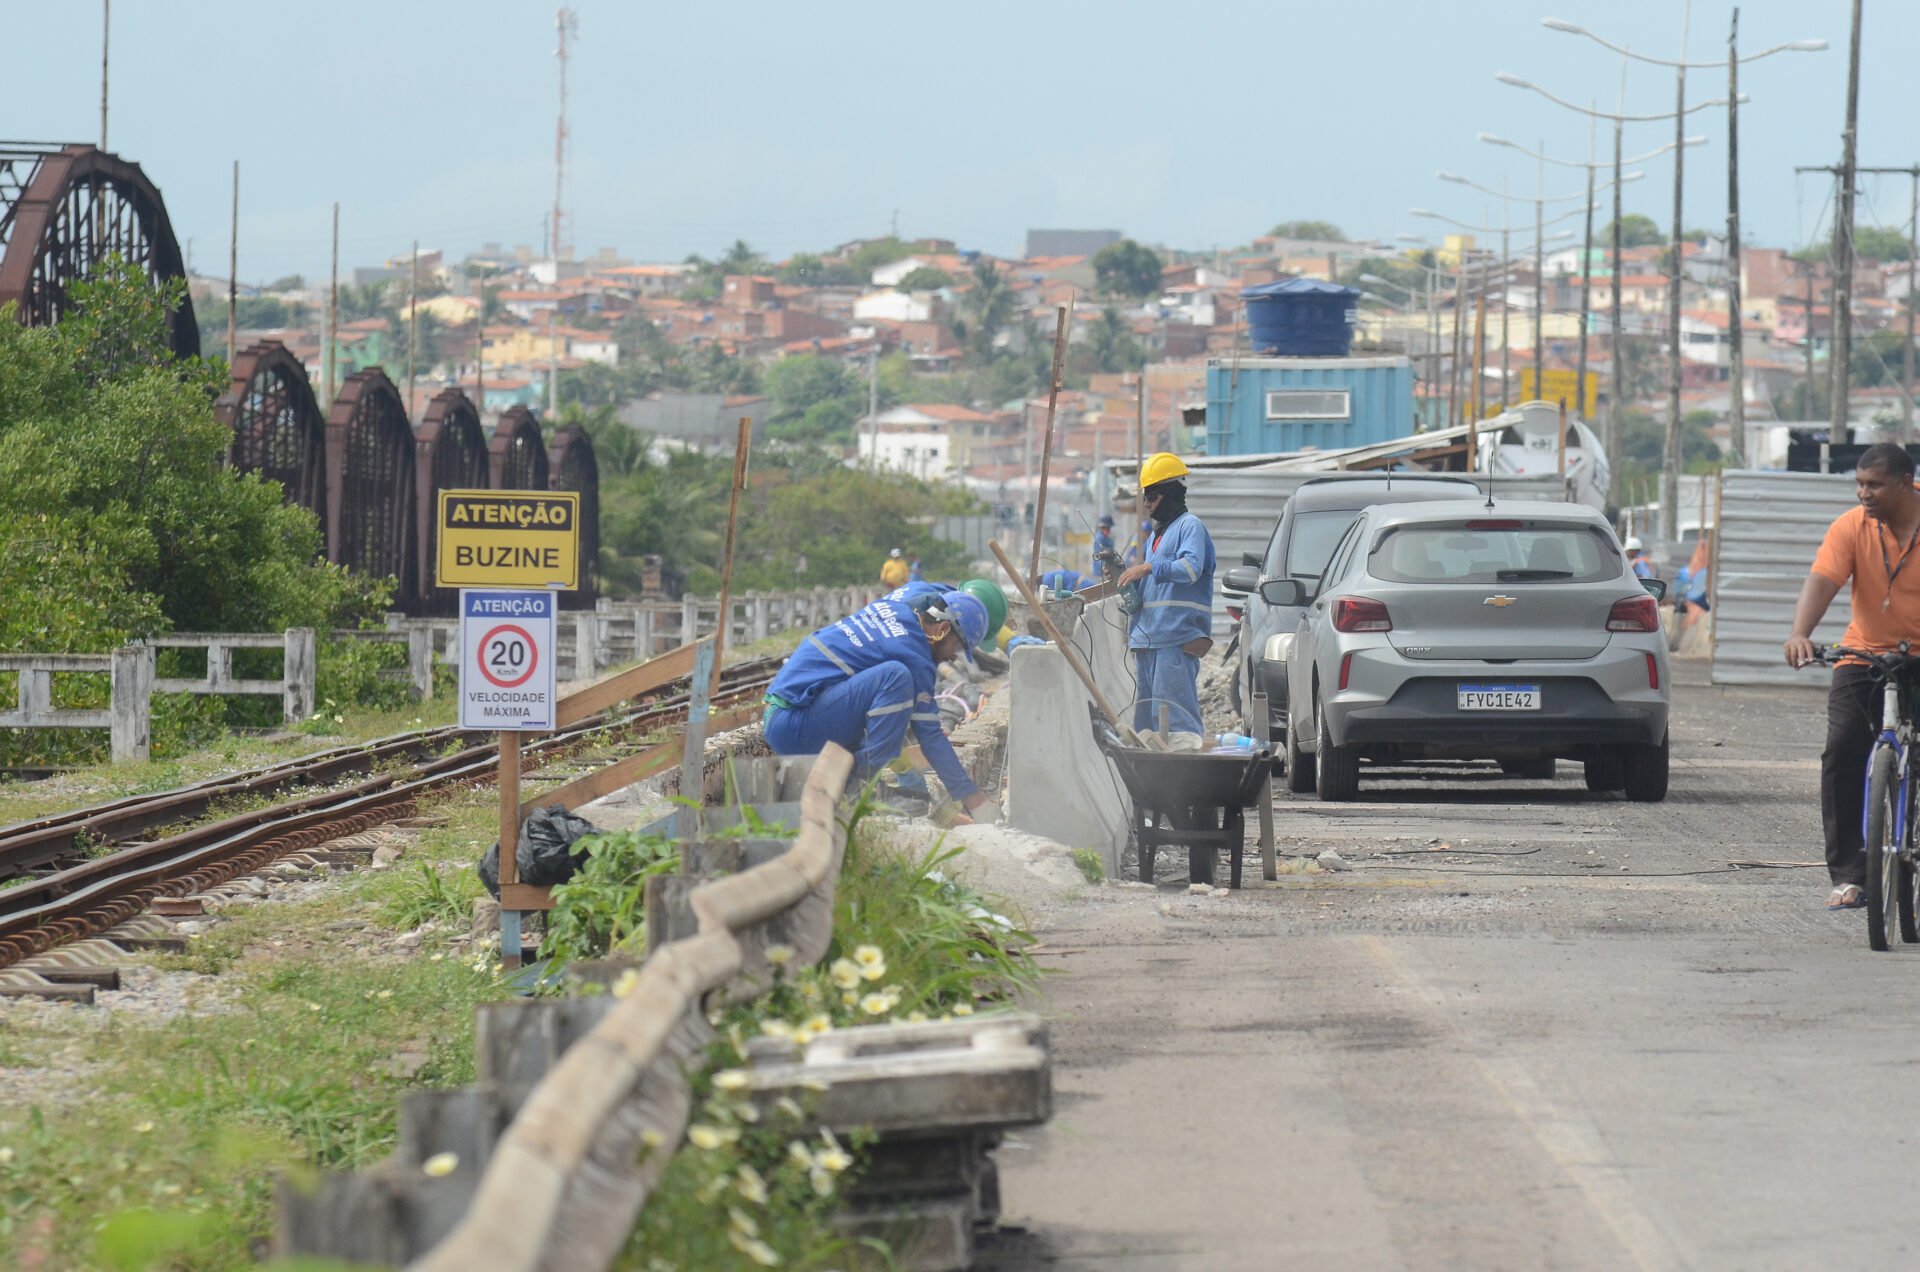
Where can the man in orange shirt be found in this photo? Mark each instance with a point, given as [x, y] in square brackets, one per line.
[1871, 546]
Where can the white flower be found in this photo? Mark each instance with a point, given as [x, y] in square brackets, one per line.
[441, 1164]
[821, 1180]
[143, 1128]
[776, 1029]
[730, 1080]
[6, 1153]
[963, 1009]
[711, 1137]
[623, 983]
[875, 1005]
[833, 1157]
[873, 971]
[742, 1221]
[786, 1104]
[869, 955]
[752, 1186]
[799, 1155]
[779, 955]
[844, 973]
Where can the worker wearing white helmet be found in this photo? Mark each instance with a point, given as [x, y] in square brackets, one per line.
[1173, 629]
[1636, 556]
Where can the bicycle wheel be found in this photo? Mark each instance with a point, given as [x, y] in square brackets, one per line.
[1909, 876]
[1883, 856]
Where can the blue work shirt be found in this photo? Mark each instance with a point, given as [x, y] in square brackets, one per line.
[885, 631]
[1643, 568]
[1102, 542]
[1176, 600]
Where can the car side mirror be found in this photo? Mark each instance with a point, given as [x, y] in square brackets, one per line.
[1658, 587]
[1250, 558]
[1240, 580]
[1284, 592]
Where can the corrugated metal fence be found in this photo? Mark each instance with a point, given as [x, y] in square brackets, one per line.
[1771, 524]
[974, 532]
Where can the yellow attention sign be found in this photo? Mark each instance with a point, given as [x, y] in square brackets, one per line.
[508, 538]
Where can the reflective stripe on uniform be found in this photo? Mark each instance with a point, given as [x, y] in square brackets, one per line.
[890, 708]
[1204, 609]
[1188, 566]
[934, 716]
[831, 657]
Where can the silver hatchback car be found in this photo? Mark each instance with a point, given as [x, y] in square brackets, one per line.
[1467, 630]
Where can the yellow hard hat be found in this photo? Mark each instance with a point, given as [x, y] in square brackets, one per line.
[1161, 467]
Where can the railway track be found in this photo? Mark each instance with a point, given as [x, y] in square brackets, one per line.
[73, 901]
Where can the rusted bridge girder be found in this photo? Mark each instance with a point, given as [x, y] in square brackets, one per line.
[450, 453]
[572, 466]
[278, 430]
[371, 519]
[63, 211]
[517, 452]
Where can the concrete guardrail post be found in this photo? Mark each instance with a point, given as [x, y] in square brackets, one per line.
[132, 704]
[762, 612]
[643, 632]
[420, 661]
[689, 619]
[297, 675]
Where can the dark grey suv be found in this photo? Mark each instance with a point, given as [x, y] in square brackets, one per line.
[1310, 524]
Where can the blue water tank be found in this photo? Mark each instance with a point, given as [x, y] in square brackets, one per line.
[1301, 318]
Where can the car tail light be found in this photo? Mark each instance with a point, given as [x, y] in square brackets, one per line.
[1361, 614]
[1653, 672]
[1634, 614]
[1235, 613]
[1346, 670]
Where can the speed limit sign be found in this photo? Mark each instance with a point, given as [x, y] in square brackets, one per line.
[506, 659]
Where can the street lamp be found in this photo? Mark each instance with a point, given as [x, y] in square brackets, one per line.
[1586, 257]
[1620, 118]
[1738, 415]
[1539, 265]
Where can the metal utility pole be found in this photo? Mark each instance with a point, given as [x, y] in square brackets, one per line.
[106, 24]
[1737, 381]
[1586, 282]
[233, 267]
[565, 25]
[333, 309]
[1540, 279]
[1913, 263]
[1506, 342]
[1806, 407]
[1670, 491]
[1616, 378]
[413, 319]
[873, 406]
[1842, 357]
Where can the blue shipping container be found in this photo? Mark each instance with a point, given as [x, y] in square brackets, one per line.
[1268, 406]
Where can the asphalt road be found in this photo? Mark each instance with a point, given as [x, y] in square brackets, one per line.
[1598, 1046]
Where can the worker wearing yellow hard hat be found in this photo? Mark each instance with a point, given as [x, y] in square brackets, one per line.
[1173, 627]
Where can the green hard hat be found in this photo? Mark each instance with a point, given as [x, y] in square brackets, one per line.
[989, 594]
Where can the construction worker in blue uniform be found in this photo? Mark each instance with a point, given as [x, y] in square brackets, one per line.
[1173, 628]
[864, 681]
[1102, 544]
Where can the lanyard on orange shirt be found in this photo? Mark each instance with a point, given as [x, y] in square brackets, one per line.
[1893, 570]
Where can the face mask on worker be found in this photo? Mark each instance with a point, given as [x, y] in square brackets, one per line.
[1172, 502]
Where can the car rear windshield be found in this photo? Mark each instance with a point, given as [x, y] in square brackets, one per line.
[1315, 535]
[1494, 552]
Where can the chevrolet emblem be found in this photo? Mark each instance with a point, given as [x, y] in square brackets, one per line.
[1499, 602]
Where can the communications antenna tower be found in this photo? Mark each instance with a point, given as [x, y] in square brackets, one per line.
[566, 25]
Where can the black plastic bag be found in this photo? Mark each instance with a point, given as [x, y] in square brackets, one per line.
[545, 853]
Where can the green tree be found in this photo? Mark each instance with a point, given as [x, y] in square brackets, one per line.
[925, 278]
[985, 311]
[287, 282]
[1635, 231]
[1878, 243]
[1321, 231]
[1127, 269]
[806, 269]
[871, 256]
[427, 356]
[1112, 345]
[796, 384]
[1877, 359]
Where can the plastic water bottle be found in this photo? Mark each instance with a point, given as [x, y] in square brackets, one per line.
[1234, 742]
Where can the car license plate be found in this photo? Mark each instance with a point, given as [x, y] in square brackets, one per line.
[1499, 697]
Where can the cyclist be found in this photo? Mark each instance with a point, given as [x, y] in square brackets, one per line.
[1871, 546]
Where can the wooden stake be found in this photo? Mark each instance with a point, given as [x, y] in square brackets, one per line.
[509, 845]
[725, 620]
[1062, 325]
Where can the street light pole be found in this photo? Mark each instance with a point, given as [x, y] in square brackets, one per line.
[1616, 382]
[1586, 284]
[1843, 243]
[1670, 487]
[1737, 402]
[1540, 281]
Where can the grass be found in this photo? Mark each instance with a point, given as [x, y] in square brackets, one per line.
[296, 1062]
[1090, 863]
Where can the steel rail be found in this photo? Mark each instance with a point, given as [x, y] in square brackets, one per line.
[96, 895]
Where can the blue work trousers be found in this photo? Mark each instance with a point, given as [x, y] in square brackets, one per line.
[866, 713]
[1169, 678]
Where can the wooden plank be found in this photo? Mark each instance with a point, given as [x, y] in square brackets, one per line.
[525, 896]
[634, 768]
[631, 683]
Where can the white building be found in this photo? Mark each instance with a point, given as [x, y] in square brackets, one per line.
[893, 306]
[919, 452]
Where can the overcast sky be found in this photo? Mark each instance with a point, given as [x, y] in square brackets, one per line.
[1195, 124]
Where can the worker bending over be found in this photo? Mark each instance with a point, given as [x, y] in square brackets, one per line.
[1173, 629]
[864, 681]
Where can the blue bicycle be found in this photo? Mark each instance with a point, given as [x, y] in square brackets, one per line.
[1888, 824]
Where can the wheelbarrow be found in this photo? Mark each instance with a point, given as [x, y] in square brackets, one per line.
[1200, 796]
